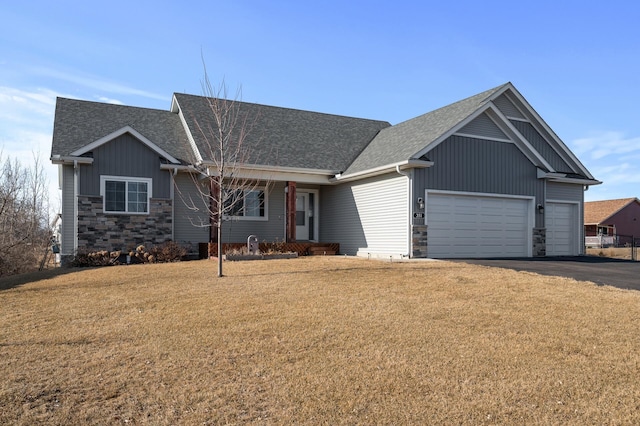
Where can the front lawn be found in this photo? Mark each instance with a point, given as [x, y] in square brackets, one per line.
[324, 340]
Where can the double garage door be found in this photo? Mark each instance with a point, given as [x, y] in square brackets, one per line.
[467, 226]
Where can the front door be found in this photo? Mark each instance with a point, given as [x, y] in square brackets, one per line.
[305, 220]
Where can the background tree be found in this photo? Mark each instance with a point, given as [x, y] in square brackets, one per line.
[25, 233]
[222, 179]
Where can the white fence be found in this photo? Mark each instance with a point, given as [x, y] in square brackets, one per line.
[599, 241]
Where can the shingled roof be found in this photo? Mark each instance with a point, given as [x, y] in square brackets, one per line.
[597, 212]
[79, 123]
[279, 137]
[288, 137]
[403, 141]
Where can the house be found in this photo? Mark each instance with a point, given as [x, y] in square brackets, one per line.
[483, 177]
[605, 221]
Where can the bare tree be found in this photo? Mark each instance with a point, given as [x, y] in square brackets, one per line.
[24, 215]
[225, 187]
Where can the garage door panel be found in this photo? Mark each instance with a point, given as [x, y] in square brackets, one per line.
[561, 223]
[469, 226]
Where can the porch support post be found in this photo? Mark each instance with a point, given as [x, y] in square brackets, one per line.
[290, 213]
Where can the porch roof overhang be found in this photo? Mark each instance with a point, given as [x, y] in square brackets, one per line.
[276, 173]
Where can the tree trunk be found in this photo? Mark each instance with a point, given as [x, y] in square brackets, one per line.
[219, 250]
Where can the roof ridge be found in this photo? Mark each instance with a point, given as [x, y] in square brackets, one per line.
[287, 108]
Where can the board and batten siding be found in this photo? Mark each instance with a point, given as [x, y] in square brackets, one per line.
[188, 223]
[125, 156]
[542, 146]
[507, 108]
[468, 164]
[68, 212]
[483, 126]
[368, 217]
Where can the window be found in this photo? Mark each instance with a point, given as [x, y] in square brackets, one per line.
[125, 195]
[247, 204]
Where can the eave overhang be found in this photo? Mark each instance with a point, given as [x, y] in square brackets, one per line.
[563, 178]
[70, 159]
[402, 165]
[274, 173]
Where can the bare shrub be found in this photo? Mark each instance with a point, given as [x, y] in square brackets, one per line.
[168, 252]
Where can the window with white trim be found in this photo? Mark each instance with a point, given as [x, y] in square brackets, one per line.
[246, 204]
[125, 194]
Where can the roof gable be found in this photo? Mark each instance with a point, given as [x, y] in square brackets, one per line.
[82, 124]
[598, 212]
[413, 139]
[405, 140]
[127, 129]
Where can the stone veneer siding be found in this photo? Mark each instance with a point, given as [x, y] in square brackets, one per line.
[539, 242]
[100, 231]
[419, 241]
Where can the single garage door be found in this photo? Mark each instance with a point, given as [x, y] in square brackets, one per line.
[562, 229]
[465, 226]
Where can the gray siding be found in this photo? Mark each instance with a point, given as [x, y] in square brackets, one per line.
[507, 108]
[125, 156]
[564, 192]
[187, 222]
[542, 146]
[368, 216]
[68, 211]
[236, 231]
[483, 126]
[475, 165]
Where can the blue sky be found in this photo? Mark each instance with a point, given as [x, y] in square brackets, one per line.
[576, 62]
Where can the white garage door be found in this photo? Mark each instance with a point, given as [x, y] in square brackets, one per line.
[562, 229]
[462, 226]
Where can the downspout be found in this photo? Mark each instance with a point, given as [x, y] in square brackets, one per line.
[76, 178]
[410, 200]
[172, 195]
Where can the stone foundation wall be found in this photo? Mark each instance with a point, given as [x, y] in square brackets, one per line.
[539, 242]
[419, 241]
[100, 231]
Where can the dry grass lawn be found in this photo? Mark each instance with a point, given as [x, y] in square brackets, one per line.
[614, 252]
[316, 341]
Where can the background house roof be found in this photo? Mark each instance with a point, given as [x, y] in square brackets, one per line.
[79, 123]
[402, 141]
[288, 137]
[597, 212]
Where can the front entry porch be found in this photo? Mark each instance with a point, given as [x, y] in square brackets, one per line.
[303, 248]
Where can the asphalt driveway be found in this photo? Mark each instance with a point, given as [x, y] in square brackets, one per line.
[623, 274]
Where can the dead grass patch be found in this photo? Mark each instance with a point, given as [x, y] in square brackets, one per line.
[613, 252]
[317, 340]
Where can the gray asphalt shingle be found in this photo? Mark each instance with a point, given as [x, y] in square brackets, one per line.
[79, 123]
[288, 137]
[280, 137]
[402, 141]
